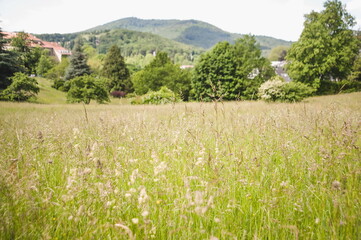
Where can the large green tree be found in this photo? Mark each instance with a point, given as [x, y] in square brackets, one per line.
[116, 71]
[28, 56]
[326, 48]
[86, 88]
[231, 72]
[45, 63]
[78, 63]
[162, 72]
[278, 53]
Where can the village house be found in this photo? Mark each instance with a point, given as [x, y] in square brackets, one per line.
[54, 48]
[279, 67]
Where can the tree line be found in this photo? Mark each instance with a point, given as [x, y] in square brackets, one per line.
[325, 60]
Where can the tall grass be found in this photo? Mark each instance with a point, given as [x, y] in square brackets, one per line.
[237, 170]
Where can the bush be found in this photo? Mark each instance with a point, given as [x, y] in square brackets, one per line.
[335, 87]
[296, 92]
[118, 94]
[271, 90]
[163, 96]
[22, 88]
[278, 90]
[86, 88]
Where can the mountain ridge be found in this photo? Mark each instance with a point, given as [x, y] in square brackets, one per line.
[191, 32]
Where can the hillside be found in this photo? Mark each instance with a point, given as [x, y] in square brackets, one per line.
[49, 95]
[183, 40]
[133, 42]
[130, 42]
[192, 32]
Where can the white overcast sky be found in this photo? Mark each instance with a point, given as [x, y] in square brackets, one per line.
[277, 18]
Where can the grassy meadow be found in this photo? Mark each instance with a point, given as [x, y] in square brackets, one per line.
[233, 170]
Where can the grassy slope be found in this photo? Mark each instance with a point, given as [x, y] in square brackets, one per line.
[235, 170]
[48, 94]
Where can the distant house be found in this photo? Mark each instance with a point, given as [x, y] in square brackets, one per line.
[280, 71]
[54, 48]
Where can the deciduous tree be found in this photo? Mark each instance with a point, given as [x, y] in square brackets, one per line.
[162, 72]
[231, 72]
[326, 48]
[28, 56]
[44, 64]
[86, 88]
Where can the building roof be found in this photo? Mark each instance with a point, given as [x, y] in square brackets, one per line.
[37, 42]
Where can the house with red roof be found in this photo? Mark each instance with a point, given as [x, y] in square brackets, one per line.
[54, 48]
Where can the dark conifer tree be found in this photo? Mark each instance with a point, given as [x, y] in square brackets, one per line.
[8, 64]
[116, 71]
[78, 63]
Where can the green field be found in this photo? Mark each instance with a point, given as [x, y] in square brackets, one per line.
[233, 170]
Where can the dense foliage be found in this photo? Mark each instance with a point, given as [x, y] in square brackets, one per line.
[278, 53]
[231, 72]
[277, 90]
[355, 75]
[163, 96]
[8, 63]
[86, 88]
[162, 72]
[45, 63]
[28, 56]
[326, 49]
[22, 88]
[135, 43]
[116, 71]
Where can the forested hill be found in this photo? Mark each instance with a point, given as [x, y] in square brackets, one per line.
[130, 42]
[192, 32]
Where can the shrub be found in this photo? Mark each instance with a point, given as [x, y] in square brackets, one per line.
[22, 88]
[86, 88]
[271, 90]
[296, 92]
[278, 90]
[335, 87]
[118, 94]
[60, 85]
[163, 96]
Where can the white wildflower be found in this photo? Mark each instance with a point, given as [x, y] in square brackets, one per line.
[143, 196]
[76, 132]
[145, 213]
[134, 176]
[160, 168]
[135, 220]
[284, 184]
